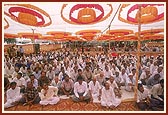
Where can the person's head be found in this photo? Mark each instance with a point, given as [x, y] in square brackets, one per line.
[56, 79]
[8, 65]
[106, 68]
[45, 86]
[80, 79]
[28, 69]
[107, 85]
[160, 68]
[94, 79]
[140, 87]
[79, 71]
[147, 70]
[19, 75]
[75, 67]
[101, 74]
[43, 74]
[97, 66]
[36, 69]
[117, 73]
[151, 60]
[113, 65]
[162, 83]
[62, 69]
[123, 70]
[66, 78]
[29, 84]
[133, 71]
[87, 68]
[155, 63]
[102, 60]
[17, 69]
[132, 63]
[32, 77]
[13, 85]
[111, 79]
[156, 76]
[24, 65]
[50, 68]
[130, 75]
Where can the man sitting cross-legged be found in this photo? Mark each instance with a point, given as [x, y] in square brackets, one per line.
[31, 95]
[49, 95]
[13, 95]
[67, 86]
[95, 90]
[108, 98]
[81, 91]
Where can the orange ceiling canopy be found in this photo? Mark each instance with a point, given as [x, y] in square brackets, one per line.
[120, 32]
[8, 35]
[30, 35]
[88, 34]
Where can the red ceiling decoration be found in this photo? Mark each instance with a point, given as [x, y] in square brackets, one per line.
[86, 14]
[28, 14]
[149, 14]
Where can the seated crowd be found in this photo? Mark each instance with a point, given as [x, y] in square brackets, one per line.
[42, 78]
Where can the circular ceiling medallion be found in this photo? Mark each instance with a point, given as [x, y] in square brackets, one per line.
[28, 14]
[149, 13]
[85, 13]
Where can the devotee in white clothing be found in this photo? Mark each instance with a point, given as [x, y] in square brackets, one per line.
[123, 75]
[114, 85]
[101, 78]
[107, 73]
[94, 89]
[108, 98]
[81, 91]
[130, 83]
[49, 95]
[9, 70]
[50, 74]
[21, 82]
[144, 77]
[13, 95]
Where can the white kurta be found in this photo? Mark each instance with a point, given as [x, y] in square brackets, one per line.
[12, 96]
[124, 77]
[108, 98]
[20, 81]
[80, 88]
[94, 90]
[143, 95]
[129, 81]
[49, 97]
[113, 85]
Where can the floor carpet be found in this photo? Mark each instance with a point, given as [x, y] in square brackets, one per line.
[69, 105]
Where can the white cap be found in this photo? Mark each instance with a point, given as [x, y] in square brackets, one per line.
[139, 82]
[147, 69]
[130, 74]
[132, 62]
[160, 65]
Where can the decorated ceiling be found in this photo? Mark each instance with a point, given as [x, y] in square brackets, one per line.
[61, 21]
